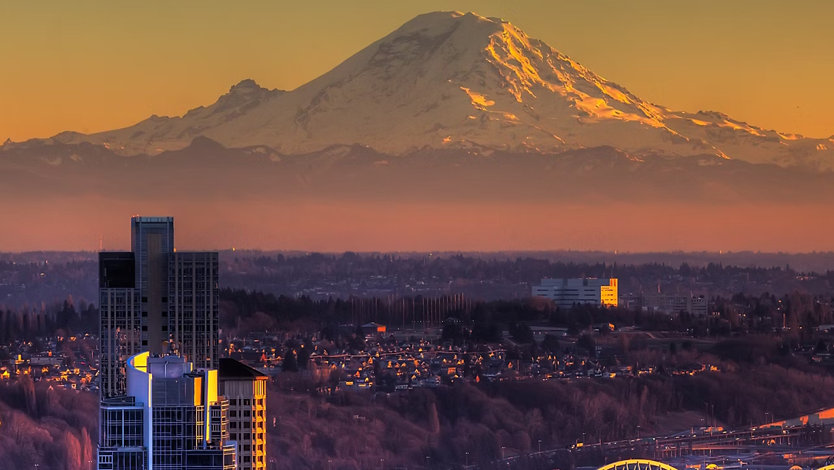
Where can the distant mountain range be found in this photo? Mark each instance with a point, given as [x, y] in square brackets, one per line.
[459, 81]
[449, 107]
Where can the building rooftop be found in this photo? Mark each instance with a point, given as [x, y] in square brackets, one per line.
[146, 219]
[232, 369]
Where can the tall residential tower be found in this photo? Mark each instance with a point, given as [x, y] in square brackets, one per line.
[160, 403]
[156, 299]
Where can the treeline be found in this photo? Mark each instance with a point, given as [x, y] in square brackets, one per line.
[35, 277]
[347, 272]
[796, 315]
[28, 323]
[46, 427]
[281, 268]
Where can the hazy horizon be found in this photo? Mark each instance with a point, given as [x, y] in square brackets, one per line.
[380, 227]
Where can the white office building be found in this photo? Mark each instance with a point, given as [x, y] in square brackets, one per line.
[171, 419]
[568, 292]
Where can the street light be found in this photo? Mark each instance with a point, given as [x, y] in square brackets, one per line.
[540, 446]
[467, 458]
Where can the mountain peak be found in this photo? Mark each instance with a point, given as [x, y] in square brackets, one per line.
[441, 16]
[242, 96]
[246, 85]
[444, 23]
[452, 80]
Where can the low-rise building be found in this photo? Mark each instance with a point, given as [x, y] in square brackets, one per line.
[675, 304]
[568, 292]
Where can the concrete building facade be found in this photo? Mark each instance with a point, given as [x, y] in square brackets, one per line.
[674, 304]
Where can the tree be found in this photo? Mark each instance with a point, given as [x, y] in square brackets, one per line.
[521, 333]
[290, 363]
[586, 342]
[550, 343]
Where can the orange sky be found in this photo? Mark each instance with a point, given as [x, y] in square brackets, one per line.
[81, 223]
[90, 66]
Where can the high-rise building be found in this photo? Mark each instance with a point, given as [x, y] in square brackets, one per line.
[171, 418]
[245, 388]
[162, 406]
[152, 243]
[156, 299]
[120, 324]
[193, 312]
[567, 292]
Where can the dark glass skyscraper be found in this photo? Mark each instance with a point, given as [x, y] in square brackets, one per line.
[193, 313]
[120, 323]
[156, 299]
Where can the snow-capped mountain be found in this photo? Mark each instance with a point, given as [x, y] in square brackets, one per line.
[448, 80]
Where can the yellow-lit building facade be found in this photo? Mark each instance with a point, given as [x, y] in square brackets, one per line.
[609, 294]
[245, 388]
